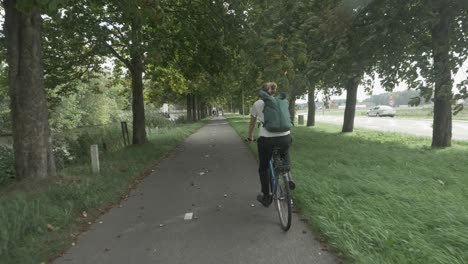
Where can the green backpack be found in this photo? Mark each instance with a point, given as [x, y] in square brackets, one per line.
[276, 113]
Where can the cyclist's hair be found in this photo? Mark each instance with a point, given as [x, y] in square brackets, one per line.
[272, 85]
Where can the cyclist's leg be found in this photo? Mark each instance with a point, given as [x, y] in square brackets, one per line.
[265, 151]
[283, 144]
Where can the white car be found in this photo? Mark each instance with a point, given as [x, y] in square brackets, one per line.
[382, 110]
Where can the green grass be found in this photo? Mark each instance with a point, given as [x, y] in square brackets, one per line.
[382, 197]
[27, 208]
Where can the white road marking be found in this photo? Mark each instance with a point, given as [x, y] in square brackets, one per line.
[188, 216]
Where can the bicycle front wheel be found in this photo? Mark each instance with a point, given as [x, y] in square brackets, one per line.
[283, 201]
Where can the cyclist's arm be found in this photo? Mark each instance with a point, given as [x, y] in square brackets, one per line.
[253, 122]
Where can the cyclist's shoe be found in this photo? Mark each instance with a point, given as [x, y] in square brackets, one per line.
[264, 199]
[292, 184]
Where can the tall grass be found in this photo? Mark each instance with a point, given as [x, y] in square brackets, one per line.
[27, 210]
[382, 197]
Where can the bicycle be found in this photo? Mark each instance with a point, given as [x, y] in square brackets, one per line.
[280, 180]
[281, 186]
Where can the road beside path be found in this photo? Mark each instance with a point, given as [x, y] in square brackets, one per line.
[418, 127]
[212, 175]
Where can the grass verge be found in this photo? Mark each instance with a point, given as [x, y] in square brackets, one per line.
[38, 220]
[381, 197]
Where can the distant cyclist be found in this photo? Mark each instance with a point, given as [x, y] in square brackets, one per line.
[275, 122]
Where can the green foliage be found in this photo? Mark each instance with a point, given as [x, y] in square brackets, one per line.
[414, 101]
[167, 85]
[96, 102]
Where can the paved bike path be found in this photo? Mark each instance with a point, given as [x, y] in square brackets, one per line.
[195, 178]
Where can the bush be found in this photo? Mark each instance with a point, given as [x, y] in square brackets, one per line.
[5, 121]
[156, 119]
[7, 168]
[73, 145]
[181, 119]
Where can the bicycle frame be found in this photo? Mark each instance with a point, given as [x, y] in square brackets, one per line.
[273, 179]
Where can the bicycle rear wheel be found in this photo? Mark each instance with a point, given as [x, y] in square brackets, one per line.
[283, 201]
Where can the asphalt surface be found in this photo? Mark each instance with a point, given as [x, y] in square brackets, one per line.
[419, 127]
[212, 175]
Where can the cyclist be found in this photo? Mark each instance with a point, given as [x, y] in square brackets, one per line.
[266, 142]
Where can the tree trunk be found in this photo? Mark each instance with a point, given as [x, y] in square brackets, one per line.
[311, 106]
[31, 132]
[194, 108]
[200, 110]
[292, 107]
[351, 98]
[138, 104]
[189, 108]
[442, 128]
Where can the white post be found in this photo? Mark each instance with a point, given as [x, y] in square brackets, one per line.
[95, 159]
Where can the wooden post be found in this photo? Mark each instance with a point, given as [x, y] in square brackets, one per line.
[301, 119]
[95, 159]
[126, 137]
